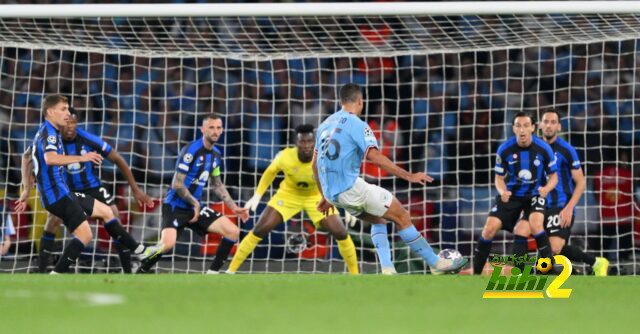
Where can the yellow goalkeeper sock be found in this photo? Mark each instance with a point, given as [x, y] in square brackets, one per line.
[348, 251]
[246, 246]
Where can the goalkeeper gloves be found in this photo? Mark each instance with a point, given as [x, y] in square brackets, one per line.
[351, 220]
[252, 204]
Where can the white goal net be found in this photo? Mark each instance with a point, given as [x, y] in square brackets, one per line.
[440, 93]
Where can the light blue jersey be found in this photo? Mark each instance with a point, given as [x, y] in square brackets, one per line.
[342, 142]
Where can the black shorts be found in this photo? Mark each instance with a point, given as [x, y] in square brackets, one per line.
[516, 209]
[101, 194]
[178, 218]
[72, 209]
[552, 224]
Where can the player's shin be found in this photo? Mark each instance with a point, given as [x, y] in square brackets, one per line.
[348, 252]
[69, 255]
[47, 246]
[246, 247]
[222, 253]
[419, 245]
[519, 249]
[381, 242]
[544, 248]
[125, 257]
[119, 234]
[480, 254]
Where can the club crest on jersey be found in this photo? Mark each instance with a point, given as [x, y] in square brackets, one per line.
[536, 162]
[515, 156]
[83, 152]
[525, 174]
[188, 158]
[52, 139]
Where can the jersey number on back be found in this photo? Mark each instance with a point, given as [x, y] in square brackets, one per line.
[327, 143]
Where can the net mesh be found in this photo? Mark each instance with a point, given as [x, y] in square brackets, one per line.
[440, 94]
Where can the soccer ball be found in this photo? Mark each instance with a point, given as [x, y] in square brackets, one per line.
[449, 253]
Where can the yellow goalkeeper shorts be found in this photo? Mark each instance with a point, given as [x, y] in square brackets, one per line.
[289, 205]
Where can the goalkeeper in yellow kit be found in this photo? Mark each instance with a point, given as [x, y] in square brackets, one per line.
[298, 191]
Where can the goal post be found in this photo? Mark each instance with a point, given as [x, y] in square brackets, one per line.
[441, 81]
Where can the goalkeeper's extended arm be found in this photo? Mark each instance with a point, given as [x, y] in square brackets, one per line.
[265, 181]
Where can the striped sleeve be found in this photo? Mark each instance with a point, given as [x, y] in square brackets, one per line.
[499, 167]
[185, 160]
[95, 142]
[49, 140]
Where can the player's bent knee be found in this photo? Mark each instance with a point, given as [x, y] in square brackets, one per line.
[53, 222]
[522, 229]
[103, 211]
[83, 233]
[557, 244]
[492, 227]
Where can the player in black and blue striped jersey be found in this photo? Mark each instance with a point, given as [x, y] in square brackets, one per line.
[522, 165]
[197, 162]
[83, 178]
[562, 200]
[48, 159]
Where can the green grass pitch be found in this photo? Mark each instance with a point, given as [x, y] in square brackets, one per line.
[305, 304]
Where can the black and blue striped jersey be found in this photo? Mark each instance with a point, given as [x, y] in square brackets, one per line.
[525, 168]
[83, 175]
[198, 164]
[51, 181]
[566, 161]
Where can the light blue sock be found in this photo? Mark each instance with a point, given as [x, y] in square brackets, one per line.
[418, 244]
[381, 241]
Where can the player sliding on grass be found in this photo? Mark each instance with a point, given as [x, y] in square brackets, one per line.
[197, 162]
[520, 205]
[562, 200]
[298, 191]
[48, 159]
[83, 178]
[343, 141]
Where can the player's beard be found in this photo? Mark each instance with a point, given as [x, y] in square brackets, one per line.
[303, 157]
[549, 137]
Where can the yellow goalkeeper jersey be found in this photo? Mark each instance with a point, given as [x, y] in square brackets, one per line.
[298, 176]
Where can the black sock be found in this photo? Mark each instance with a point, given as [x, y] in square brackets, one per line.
[69, 255]
[47, 246]
[483, 247]
[125, 257]
[576, 254]
[222, 253]
[520, 249]
[119, 234]
[544, 248]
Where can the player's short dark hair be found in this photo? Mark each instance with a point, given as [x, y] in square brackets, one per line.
[524, 114]
[553, 111]
[211, 116]
[304, 129]
[73, 112]
[50, 101]
[350, 93]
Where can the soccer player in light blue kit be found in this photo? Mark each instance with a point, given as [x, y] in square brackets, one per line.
[342, 142]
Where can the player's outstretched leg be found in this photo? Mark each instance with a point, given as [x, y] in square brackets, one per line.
[417, 243]
[230, 233]
[559, 245]
[82, 237]
[383, 249]
[483, 246]
[347, 249]
[48, 242]
[120, 235]
[268, 220]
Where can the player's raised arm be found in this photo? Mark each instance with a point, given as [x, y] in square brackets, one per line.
[142, 198]
[383, 162]
[27, 180]
[265, 181]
